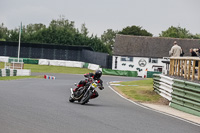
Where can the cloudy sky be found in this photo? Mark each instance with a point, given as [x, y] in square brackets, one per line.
[99, 15]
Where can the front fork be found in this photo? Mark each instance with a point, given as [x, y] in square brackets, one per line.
[72, 93]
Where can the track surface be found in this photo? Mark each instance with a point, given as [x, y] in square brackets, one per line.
[41, 106]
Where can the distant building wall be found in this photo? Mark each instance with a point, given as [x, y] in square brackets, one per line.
[55, 52]
[101, 59]
[139, 64]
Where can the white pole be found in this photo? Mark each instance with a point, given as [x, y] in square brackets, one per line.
[19, 40]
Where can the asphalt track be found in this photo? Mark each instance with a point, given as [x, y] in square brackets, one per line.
[41, 106]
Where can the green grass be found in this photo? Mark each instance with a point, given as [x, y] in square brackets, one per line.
[18, 77]
[56, 69]
[2, 65]
[143, 92]
[46, 69]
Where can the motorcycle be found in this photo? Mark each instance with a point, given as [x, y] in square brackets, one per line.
[83, 94]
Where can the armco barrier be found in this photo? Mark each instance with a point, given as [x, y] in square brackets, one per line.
[85, 65]
[162, 85]
[119, 72]
[185, 95]
[43, 62]
[4, 59]
[14, 72]
[7, 72]
[93, 66]
[61, 63]
[151, 73]
[25, 60]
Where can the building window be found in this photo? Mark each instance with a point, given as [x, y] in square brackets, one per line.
[153, 60]
[123, 58]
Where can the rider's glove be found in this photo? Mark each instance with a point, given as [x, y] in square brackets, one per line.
[101, 88]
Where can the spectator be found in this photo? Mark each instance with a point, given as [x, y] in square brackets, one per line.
[192, 52]
[175, 51]
[196, 50]
[182, 53]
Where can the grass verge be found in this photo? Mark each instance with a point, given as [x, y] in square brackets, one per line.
[56, 69]
[140, 91]
[18, 77]
[46, 69]
[2, 65]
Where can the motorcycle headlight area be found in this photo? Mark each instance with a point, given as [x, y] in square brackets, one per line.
[94, 85]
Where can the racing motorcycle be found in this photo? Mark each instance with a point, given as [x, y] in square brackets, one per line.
[83, 94]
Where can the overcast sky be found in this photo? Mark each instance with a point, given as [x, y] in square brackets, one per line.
[99, 15]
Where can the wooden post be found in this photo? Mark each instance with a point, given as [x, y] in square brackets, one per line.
[172, 67]
[193, 69]
[185, 69]
[189, 69]
[199, 70]
[175, 67]
[179, 67]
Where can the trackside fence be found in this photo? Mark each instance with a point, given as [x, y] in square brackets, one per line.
[182, 95]
[14, 72]
[187, 67]
[119, 72]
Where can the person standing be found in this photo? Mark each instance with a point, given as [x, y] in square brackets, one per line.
[175, 51]
[192, 52]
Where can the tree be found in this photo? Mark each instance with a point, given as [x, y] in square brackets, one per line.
[60, 32]
[197, 36]
[84, 30]
[176, 32]
[108, 38]
[135, 30]
[4, 33]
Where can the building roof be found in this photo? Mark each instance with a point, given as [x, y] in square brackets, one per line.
[143, 46]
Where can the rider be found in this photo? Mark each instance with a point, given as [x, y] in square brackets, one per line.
[95, 76]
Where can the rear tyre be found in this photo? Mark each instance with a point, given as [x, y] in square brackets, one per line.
[71, 99]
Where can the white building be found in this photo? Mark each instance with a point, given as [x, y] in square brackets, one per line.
[141, 53]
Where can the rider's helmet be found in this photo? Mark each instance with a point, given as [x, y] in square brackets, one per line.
[97, 74]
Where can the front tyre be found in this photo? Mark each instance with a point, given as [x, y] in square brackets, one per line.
[86, 97]
[71, 99]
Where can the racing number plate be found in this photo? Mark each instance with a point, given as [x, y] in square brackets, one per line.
[94, 85]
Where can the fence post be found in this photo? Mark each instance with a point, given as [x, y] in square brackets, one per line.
[175, 67]
[193, 69]
[189, 69]
[181, 67]
[185, 69]
[199, 70]
[172, 67]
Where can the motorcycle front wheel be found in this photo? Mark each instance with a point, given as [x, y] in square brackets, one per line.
[86, 97]
[71, 99]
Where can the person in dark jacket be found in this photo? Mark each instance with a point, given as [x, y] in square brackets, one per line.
[193, 53]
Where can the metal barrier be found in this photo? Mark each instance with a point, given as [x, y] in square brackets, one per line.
[14, 72]
[188, 67]
[162, 85]
[183, 95]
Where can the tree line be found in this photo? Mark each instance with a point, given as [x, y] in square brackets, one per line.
[63, 32]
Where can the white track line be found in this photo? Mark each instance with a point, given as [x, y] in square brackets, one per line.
[151, 108]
